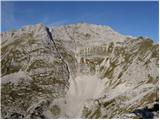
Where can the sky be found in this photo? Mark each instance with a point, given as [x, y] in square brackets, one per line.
[129, 18]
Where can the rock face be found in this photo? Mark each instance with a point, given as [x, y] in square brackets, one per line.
[33, 72]
[78, 71]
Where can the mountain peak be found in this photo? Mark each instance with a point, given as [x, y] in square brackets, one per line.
[35, 27]
[87, 32]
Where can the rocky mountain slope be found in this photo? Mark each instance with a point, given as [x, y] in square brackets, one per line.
[78, 71]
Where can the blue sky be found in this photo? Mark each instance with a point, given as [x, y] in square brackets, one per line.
[128, 18]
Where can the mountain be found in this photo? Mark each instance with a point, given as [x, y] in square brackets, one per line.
[78, 71]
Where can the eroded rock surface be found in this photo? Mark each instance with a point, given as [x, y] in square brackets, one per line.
[77, 71]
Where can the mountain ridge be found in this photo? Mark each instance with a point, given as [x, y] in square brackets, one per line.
[67, 25]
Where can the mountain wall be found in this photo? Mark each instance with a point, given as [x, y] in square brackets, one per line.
[78, 71]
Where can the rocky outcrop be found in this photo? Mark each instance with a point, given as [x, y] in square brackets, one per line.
[33, 73]
[77, 71]
[131, 81]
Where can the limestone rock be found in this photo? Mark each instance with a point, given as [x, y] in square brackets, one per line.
[77, 71]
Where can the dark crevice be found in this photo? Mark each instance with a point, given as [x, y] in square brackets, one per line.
[52, 40]
[147, 113]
